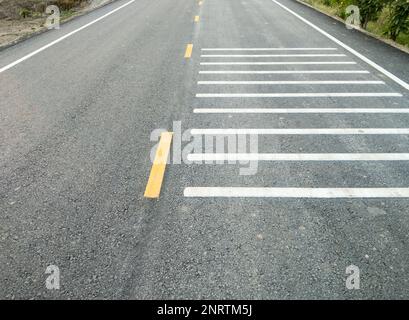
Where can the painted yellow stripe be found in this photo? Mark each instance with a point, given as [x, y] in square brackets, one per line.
[189, 50]
[197, 18]
[159, 165]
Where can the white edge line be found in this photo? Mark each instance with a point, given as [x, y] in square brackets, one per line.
[346, 47]
[62, 38]
[296, 192]
[298, 157]
[300, 110]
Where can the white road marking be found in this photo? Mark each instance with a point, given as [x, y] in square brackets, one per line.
[276, 63]
[346, 47]
[63, 37]
[297, 192]
[290, 82]
[269, 49]
[285, 72]
[300, 110]
[269, 55]
[298, 157]
[312, 131]
[299, 95]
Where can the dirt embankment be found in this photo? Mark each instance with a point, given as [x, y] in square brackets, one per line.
[20, 18]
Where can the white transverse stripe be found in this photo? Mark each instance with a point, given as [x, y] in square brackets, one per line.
[269, 49]
[285, 72]
[298, 157]
[298, 95]
[313, 131]
[292, 82]
[297, 192]
[275, 63]
[62, 38]
[354, 52]
[269, 55]
[300, 110]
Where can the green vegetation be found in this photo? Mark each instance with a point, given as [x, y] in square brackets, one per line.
[386, 18]
[24, 13]
[22, 9]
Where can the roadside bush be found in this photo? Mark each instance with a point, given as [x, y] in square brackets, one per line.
[64, 5]
[24, 13]
[67, 4]
[384, 17]
[15, 9]
[398, 21]
[370, 10]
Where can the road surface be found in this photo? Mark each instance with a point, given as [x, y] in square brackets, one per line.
[327, 107]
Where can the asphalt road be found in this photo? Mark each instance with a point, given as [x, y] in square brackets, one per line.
[75, 126]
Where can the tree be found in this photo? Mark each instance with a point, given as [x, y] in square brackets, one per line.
[398, 18]
[370, 10]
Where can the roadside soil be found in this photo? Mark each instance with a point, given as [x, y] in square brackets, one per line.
[13, 29]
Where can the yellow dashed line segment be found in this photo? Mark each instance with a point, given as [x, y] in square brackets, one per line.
[189, 50]
[159, 165]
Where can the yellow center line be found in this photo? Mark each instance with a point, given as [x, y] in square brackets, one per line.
[159, 165]
[189, 50]
[197, 18]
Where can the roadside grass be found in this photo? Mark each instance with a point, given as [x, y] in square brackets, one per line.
[36, 9]
[66, 14]
[321, 5]
[337, 8]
